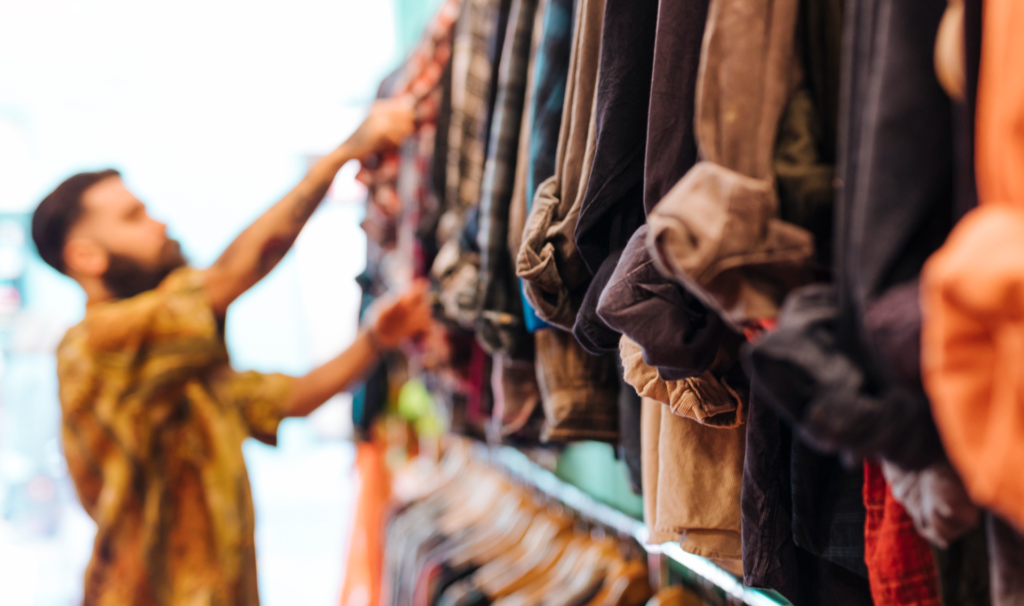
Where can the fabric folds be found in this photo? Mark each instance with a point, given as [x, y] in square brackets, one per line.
[704, 398]
[718, 230]
[900, 563]
[590, 329]
[696, 488]
[554, 275]
[803, 374]
[936, 501]
[686, 339]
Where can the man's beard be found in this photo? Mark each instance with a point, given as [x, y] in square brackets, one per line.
[126, 277]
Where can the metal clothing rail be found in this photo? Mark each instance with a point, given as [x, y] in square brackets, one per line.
[519, 465]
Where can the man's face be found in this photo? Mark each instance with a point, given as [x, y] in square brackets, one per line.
[138, 253]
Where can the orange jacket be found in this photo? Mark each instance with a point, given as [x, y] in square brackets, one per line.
[973, 289]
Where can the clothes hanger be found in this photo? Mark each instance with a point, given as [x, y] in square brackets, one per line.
[675, 596]
[530, 568]
[536, 525]
[628, 580]
[587, 578]
[570, 561]
[484, 491]
[495, 536]
[512, 536]
[533, 592]
[576, 571]
[538, 552]
[630, 587]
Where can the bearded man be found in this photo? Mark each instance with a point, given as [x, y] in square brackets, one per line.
[153, 415]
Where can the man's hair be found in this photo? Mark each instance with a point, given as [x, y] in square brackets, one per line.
[59, 212]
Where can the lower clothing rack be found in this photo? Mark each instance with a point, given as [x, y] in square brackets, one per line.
[520, 466]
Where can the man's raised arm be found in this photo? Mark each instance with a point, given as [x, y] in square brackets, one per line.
[258, 249]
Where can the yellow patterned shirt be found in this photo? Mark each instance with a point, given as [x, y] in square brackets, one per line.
[153, 424]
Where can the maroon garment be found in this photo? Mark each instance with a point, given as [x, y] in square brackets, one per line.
[612, 205]
[671, 147]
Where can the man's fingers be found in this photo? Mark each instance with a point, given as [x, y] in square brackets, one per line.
[415, 294]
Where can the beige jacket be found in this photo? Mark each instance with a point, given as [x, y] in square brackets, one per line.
[692, 474]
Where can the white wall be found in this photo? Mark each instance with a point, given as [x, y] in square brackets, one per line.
[211, 110]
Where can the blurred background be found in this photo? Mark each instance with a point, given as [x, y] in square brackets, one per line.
[212, 110]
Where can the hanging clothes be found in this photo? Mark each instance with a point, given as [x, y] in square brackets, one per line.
[692, 471]
[637, 292]
[900, 563]
[722, 233]
[365, 558]
[419, 78]
[671, 140]
[478, 38]
[968, 285]
[579, 392]
[548, 261]
[718, 231]
[542, 115]
[890, 151]
[612, 205]
[500, 325]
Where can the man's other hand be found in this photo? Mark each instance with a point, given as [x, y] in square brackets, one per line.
[404, 318]
[389, 122]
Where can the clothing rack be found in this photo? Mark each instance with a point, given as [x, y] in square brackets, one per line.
[520, 466]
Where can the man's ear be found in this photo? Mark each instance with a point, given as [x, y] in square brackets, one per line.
[84, 257]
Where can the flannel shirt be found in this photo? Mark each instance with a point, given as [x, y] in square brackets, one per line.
[472, 71]
[419, 77]
[500, 324]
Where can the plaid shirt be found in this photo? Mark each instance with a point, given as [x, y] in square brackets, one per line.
[420, 77]
[497, 327]
[476, 44]
[472, 71]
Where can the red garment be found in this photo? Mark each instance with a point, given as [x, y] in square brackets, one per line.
[901, 567]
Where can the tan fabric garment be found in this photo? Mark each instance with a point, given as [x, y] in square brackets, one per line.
[706, 398]
[717, 231]
[699, 474]
[580, 392]
[650, 434]
[552, 270]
